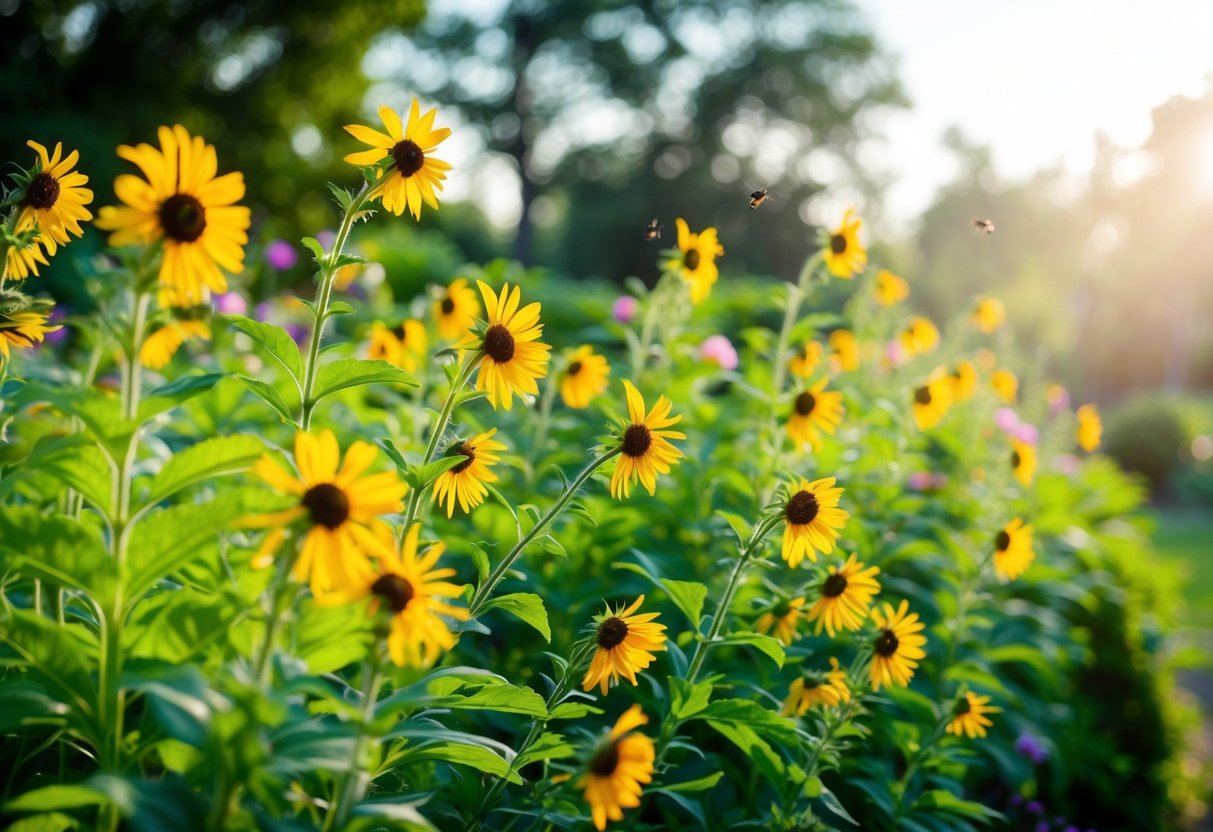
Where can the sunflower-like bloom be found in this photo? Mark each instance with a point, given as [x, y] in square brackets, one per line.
[890, 288]
[617, 769]
[159, 348]
[969, 717]
[403, 345]
[645, 444]
[415, 174]
[844, 351]
[812, 520]
[964, 381]
[508, 351]
[782, 618]
[817, 690]
[897, 646]
[185, 204]
[1005, 384]
[456, 309]
[465, 482]
[584, 377]
[342, 508]
[696, 263]
[626, 644]
[1013, 550]
[803, 363]
[24, 260]
[54, 198]
[844, 255]
[988, 314]
[1056, 396]
[846, 595]
[932, 400]
[920, 336]
[413, 590]
[23, 329]
[1090, 427]
[1023, 462]
[814, 410]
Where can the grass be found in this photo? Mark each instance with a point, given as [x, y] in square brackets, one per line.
[1184, 537]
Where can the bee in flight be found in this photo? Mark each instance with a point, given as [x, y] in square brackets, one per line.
[758, 197]
[652, 231]
[984, 225]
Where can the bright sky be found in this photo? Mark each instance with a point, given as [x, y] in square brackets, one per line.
[1033, 79]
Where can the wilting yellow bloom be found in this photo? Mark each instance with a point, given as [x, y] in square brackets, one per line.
[1090, 427]
[844, 255]
[890, 288]
[415, 173]
[620, 764]
[988, 314]
[696, 264]
[897, 647]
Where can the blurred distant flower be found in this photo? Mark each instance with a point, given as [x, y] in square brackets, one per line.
[415, 174]
[403, 345]
[920, 336]
[844, 354]
[59, 334]
[326, 238]
[1005, 384]
[584, 376]
[969, 717]
[896, 353]
[930, 402]
[1023, 462]
[1013, 550]
[281, 255]
[964, 381]
[1090, 427]
[263, 311]
[803, 363]
[624, 309]
[231, 303]
[160, 347]
[1042, 826]
[696, 260]
[1027, 433]
[718, 350]
[926, 480]
[298, 333]
[1035, 807]
[1057, 397]
[1034, 751]
[844, 255]
[988, 314]
[455, 309]
[890, 288]
[782, 618]
[813, 410]
[817, 689]
[1066, 464]
[1007, 420]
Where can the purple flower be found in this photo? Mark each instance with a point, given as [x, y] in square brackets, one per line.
[1016, 799]
[281, 255]
[1007, 420]
[231, 303]
[263, 311]
[1027, 433]
[718, 350]
[1031, 749]
[298, 334]
[326, 239]
[1043, 826]
[1035, 807]
[624, 309]
[58, 315]
[1071, 828]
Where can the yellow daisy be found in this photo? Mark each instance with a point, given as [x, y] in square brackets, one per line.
[23, 260]
[456, 309]
[988, 314]
[465, 482]
[846, 594]
[1023, 462]
[54, 198]
[621, 763]
[969, 717]
[23, 329]
[890, 288]
[782, 618]
[415, 173]
[813, 410]
[817, 690]
[803, 363]
[1090, 427]
[584, 377]
[183, 203]
[1005, 384]
[897, 646]
[1013, 550]
[646, 450]
[932, 400]
[844, 351]
[403, 346]
[920, 336]
[626, 644]
[696, 264]
[844, 255]
[159, 348]
[964, 381]
[812, 520]
[509, 354]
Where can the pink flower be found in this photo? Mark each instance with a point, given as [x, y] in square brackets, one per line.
[1007, 420]
[281, 255]
[1027, 433]
[1066, 464]
[896, 353]
[231, 303]
[719, 351]
[926, 480]
[624, 309]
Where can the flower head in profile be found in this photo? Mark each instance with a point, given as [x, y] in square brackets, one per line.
[53, 198]
[584, 377]
[24, 328]
[890, 289]
[645, 449]
[817, 689]
[988, 314]
[844, 255]
[782, 618]
[24, 259]
[814, 410]
[188, 325]
[803, 363]
[931, 401]
[455, 309]
[696, 260]
[897, 647]
[964, 381]
[1005, 384]
[969, 717]
[846, 595]
[1013, 550]
[407, 148]
[403, 345]
[844, 351]
[618, 767]
[919, 336]
[812, 520]
[1090, 427]
[465, 482]
[626, 644]
[182, 202]
[1023, 462]
[508, 351]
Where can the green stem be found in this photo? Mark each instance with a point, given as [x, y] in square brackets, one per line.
[836, 721]
[431, 448]
[903, 784]
[641, 356]
[351, 783]
[541, 424]
[132, 378]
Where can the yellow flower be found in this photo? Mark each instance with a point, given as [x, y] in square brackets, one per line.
[509, 353]
[456, 309]
[626, 644]
[617, 768]
[22, 261]
[159, 348]
[964, 381]
[465, 482]
[844, 254]
[803, 363]
[23, 329]
[186, 205]
[1023, 462]
[1005, 385]
[890, 288]
[1056, 396]
[415, 173]
[696, 264]
[782, 618]
[1013, 550]
[413, 590]
[920, 336]
[897, 646]
[812, 520]
[844, 353]
[846, 595]
[1090, 427]
[817, 690]
[403, 346]
[812, 410]
[932, 401]
[969, 717]
[54, 198]
[584, 377]
[646, 450]
[988, 314]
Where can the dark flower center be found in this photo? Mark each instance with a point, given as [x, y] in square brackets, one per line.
[963, 707]
[1015, 460]
[805, 403]
[612, 632]
[574, 368]
[886, 644]
[691, 259]
[327, 504]
[395, 589]
[499, 344]
[448, 306]
[834, 586]
[782, 608]
[838, 243]
[42, 192]
[1001, 541]
[399, 332]
[407, 157]
[636, 440]
[469, 456]
[183, 218]
[802, 508]
[605, 760]
[923, 395]
[812, 681]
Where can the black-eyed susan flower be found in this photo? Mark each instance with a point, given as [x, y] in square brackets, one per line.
[183, 203]
[931, 401]
[1005, 385]
[1090, 427]
[817, 689]
[846, 595]
[618, 768]
[804, 362]
[465, 482]
[1013, 550]
[988, 314]
[584, 377]
[814, 410]
[897, 646]
[456, 309]
[696, 260]
[53, 199]
[626, 644]
[782, 618]
[413, 590]
[159, 348]
[844, 351]
[1023, 461]
[844, 255]
[890, 288]
[964, 381]
[969, 716]
[919, 336]
[508, 351]
[415, 174]
[341, 507]
[24, 259]
[403, 345]
[24, 329]
[645, 449]
[812, 520]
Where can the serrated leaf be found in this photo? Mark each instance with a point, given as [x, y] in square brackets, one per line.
[313, 245]
[281, 346]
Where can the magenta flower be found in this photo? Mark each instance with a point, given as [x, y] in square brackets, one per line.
[281, 255]
[718, 350]
[231, 303]
[624, 309]
[1027, 433]
[1007, 420]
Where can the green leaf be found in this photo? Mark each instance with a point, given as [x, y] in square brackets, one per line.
[60, 659]
[771, 647]
[478, 757]
[573, 710]
[738, 524]
[687, 699]
[688, 596]
[270, 395]
[58, 549]
[421, 476]
[170, 395]
[945, 801]
[49, 822]
[280, 345]
[313, 245]
[698, 785]
[216, 457]
[85, 468]
[353, 372]
[548, 747]
[49, 798]
[749, 713]
[835, 805]
[526, 606]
